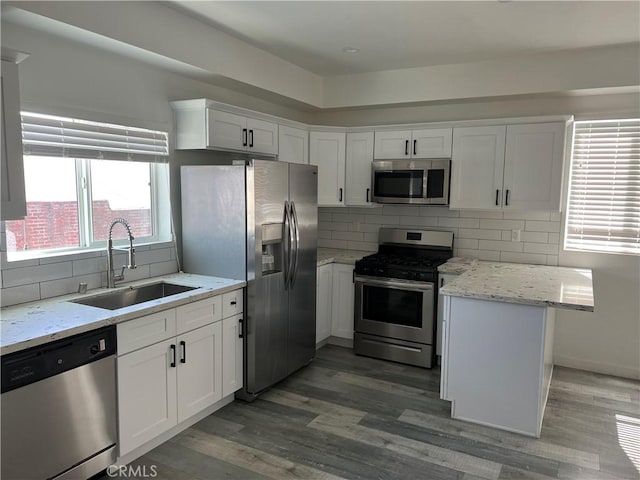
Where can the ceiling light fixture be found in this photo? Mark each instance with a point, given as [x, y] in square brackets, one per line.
[350, 50]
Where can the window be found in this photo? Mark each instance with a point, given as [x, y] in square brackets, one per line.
[603, 213]
[80, 176]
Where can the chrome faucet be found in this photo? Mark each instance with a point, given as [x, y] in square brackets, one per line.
[112, 278]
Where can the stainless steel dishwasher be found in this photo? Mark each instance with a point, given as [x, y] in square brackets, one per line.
[58, 408]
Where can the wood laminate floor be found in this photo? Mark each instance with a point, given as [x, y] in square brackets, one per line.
[346, 416]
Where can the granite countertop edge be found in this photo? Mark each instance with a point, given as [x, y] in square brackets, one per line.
[37, 323]
[340, 255]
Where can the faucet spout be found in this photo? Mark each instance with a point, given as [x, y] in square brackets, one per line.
[112, 278]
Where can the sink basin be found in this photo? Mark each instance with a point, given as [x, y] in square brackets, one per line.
[133, 295]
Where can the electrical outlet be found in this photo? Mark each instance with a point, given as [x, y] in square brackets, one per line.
[515, 235]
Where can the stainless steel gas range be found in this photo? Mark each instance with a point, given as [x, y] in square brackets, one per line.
[396, 292]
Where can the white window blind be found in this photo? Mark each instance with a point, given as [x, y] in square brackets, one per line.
[603, 213]
[50, 136]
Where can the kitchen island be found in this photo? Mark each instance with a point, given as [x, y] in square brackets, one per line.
[498, 327]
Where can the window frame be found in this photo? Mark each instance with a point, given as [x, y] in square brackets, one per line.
[566, 244]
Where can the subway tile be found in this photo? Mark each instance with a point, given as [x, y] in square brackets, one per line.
[500, 245]
[410, 210]
[495, 214]
[324, 234]
[438, 212]
[383, 219]
[347, 217]
[546, 248]
[552, 259]
[153, 256]
[451, 222]
[163, 268]
[324, 216]
[39, 273]
[526, 215]
[555, 216]
[488, 255]
[90, 265]
[419, 221]
[71, 257]
[515, 257]
[370, 237]
[355, 236]
[366, 246]
[492, 224]
[535, 237]
[368, 228]
[338, 226]
[535, 226]
[22, 294]
[55, 288]
[8, 265]
[554, 238]
[479, 234]
[466, 243]
[332, 243]
[139, 273]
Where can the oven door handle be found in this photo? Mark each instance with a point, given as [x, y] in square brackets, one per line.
[389, 283]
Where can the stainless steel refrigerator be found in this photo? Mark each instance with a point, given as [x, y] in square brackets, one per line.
[256, 220]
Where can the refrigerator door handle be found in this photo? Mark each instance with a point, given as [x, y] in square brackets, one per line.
[292, 246]
[286, 250]
[294, 216]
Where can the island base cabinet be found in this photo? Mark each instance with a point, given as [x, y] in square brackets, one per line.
[147, 402]
[232, 355]
[497, 363]
[199, 366]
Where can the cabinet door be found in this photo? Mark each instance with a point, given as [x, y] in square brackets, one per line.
[358, 168]
[199, 369]
[146, 395]
[392, 144]
[327, 151]
[262, 136]
[14, 205]
[232, 356]
[431, 143]
[342, 301]
[533, 166]
[226, 130]
[443, 279]
[198, 314]
[323, 302]
[477, 164]
[293, 145]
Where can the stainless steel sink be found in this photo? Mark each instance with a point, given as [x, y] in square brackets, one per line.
[133, 295]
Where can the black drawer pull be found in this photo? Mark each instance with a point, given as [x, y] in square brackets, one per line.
[368, 189]
[497, 194]
[241, 329]
[415, 142]
[173, 356]
[506, 198]
[233, 302]
[183, 345]
[406, 147]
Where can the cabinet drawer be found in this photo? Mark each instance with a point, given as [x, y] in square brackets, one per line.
[232, 303]
[145, 331]
[198, 314]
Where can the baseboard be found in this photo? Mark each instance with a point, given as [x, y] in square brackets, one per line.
[340, 342]
[597, 367]
[322, 343]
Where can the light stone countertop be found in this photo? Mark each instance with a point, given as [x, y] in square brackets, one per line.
[457, 265]
[36, 323]
[337, 255]
[558, 287]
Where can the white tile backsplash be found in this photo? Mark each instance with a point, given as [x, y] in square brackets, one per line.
[36, 279]
[485, 235]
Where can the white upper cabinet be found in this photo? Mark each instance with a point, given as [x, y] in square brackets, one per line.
[14, 205]
[426, 143]
[327, 151]
[293, 145]
[477, 166]
[200, 127]
[515, 167]
[358, 168]
[533, 166]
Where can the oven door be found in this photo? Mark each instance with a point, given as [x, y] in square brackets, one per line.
[393, 308]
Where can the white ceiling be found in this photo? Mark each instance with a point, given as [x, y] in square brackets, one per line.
[395, 35]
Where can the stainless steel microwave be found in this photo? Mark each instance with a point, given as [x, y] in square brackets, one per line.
[424, 182]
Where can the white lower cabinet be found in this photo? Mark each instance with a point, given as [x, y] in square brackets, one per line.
[173, 377]
[443, 279]
[342, 301]
[199, 366]
[323, 302]
[232, 354]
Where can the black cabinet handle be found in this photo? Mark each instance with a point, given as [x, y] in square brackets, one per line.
[368, 189]
[442, 282]
[415, 143]
[241, 329]
[340, 199]
[506, 198]
[250, 138]
[406, 147]
[232, 302]
[183, 346]
[173, 356]
[497, 195]
[244, 137]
